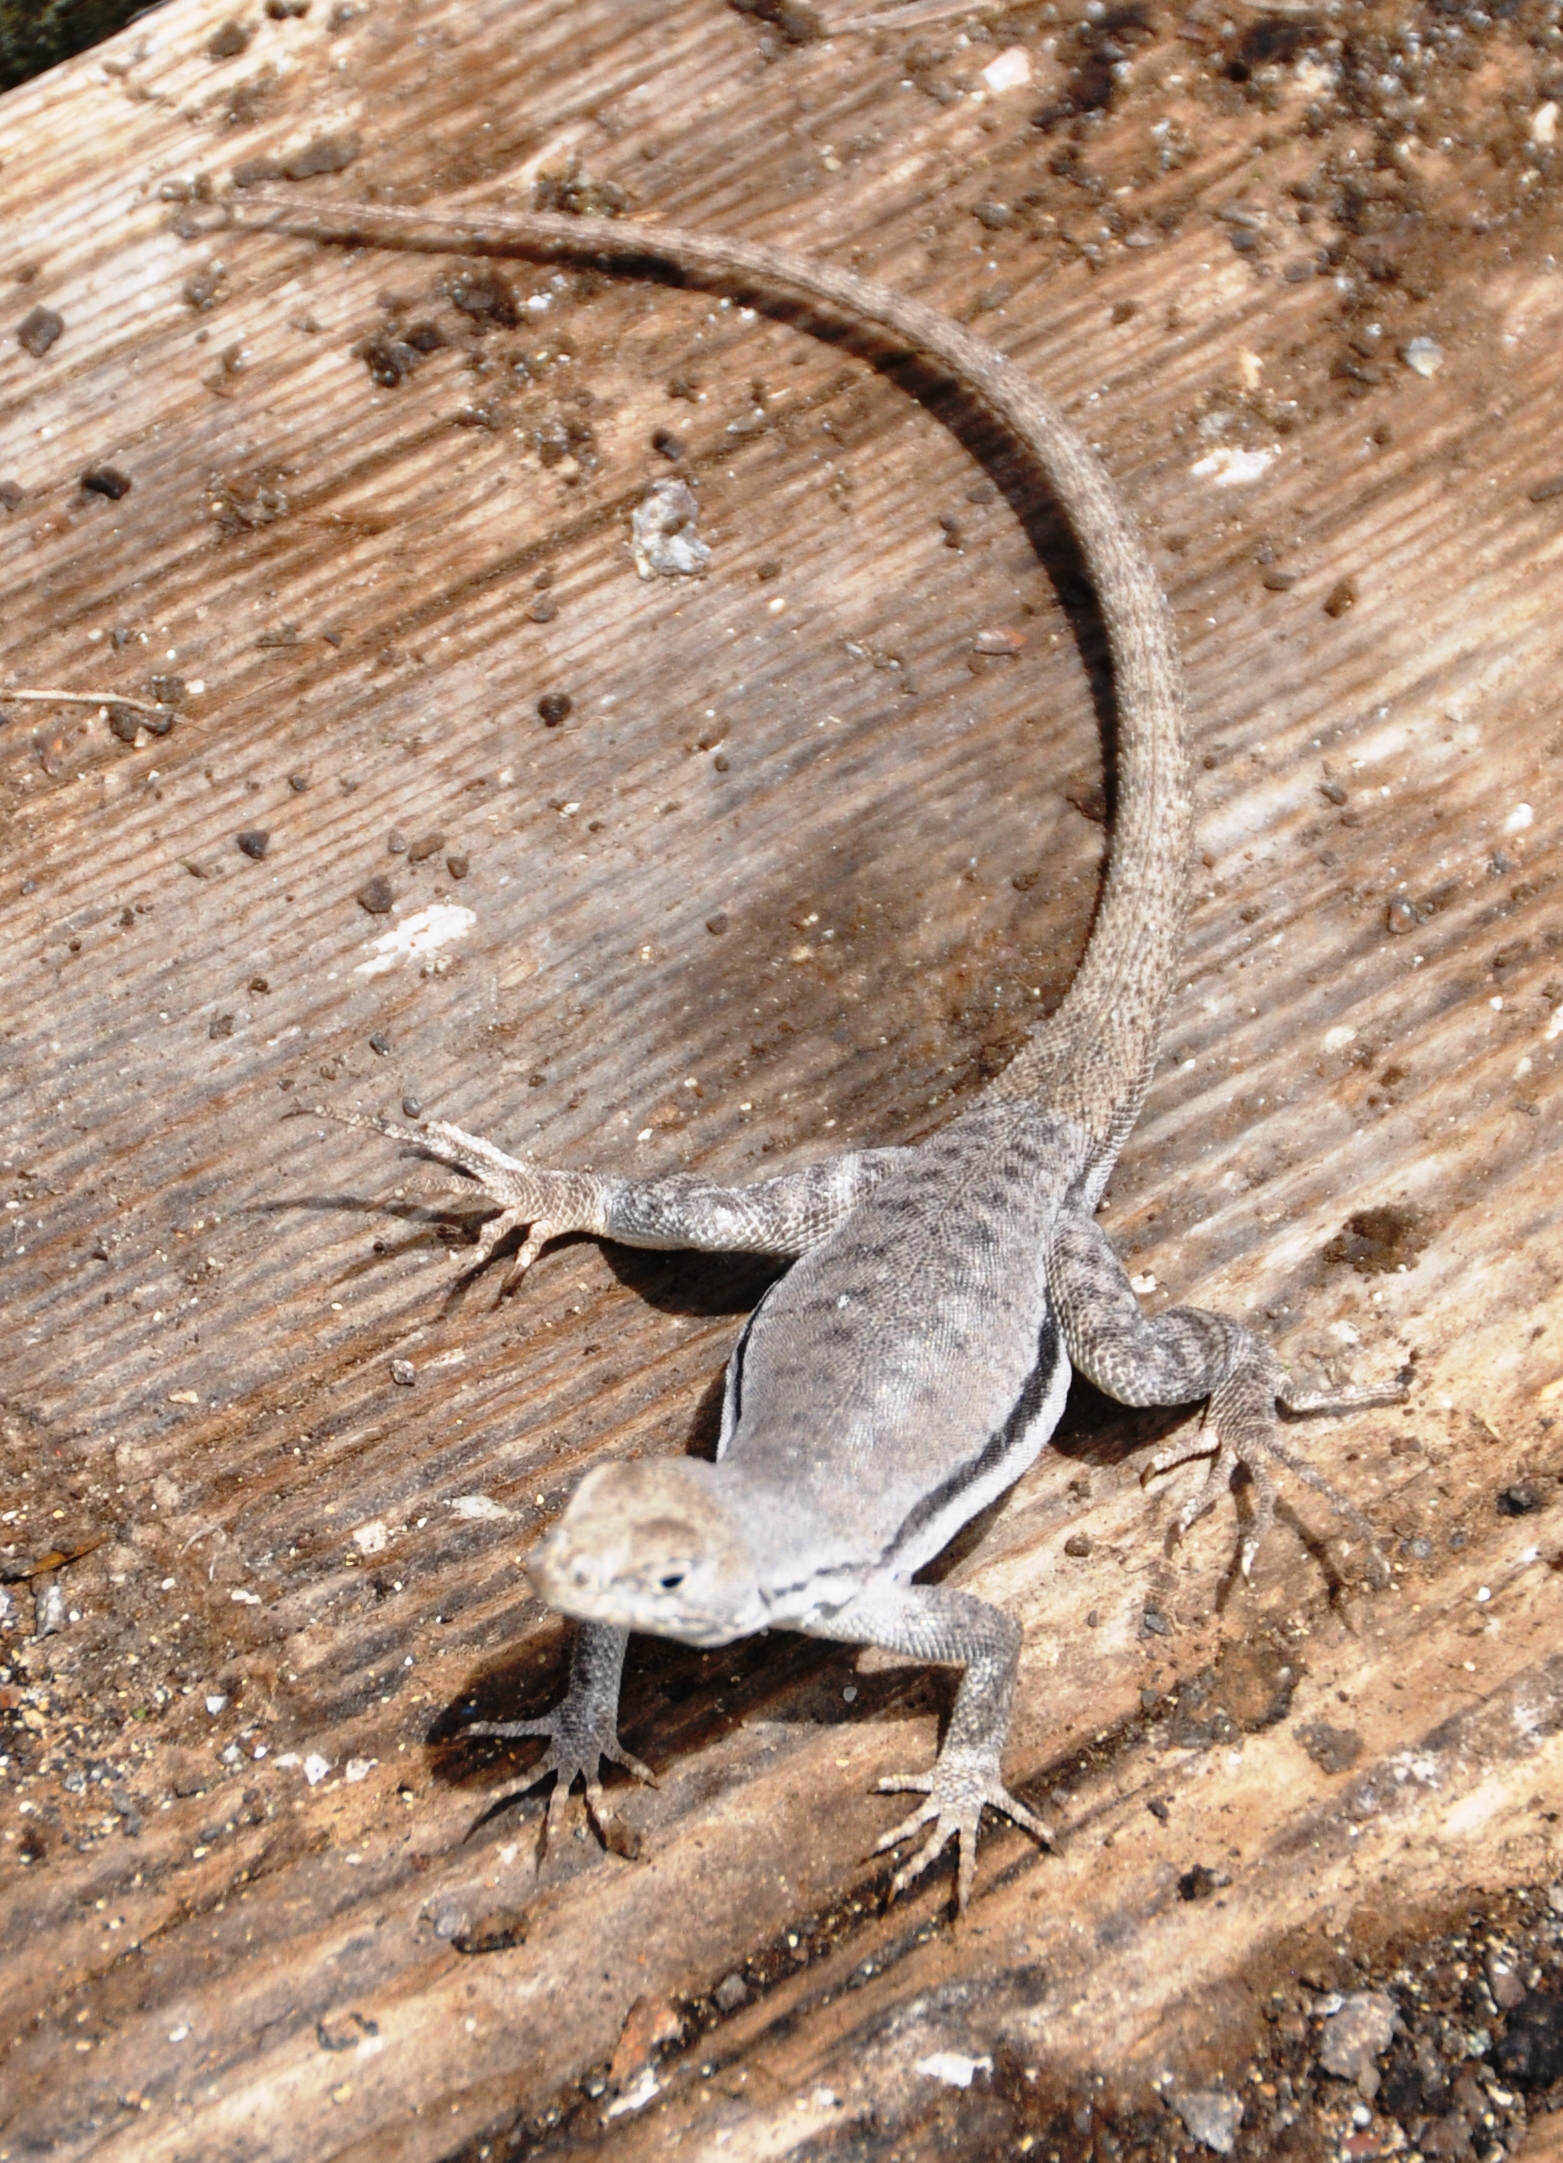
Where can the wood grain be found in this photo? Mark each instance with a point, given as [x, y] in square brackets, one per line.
[312, 1570]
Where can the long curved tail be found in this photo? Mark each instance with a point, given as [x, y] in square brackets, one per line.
[1092, 1060]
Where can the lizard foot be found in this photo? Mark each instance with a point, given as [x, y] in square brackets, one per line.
[1246, 1432]
[961, 1782]
[545, 1204]
[577, 1744]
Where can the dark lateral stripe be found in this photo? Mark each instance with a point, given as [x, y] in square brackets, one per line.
[997, 1448]
[733, 1398]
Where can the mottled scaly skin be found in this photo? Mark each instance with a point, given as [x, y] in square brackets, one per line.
[914, 1360]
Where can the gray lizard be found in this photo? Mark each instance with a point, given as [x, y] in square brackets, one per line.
[914, 1360]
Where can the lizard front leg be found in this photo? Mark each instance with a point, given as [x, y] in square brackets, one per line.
[781, 1216]
[1180, 1356]
[932, 1622]
[582, 1729]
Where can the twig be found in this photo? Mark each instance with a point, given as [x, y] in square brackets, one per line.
[82, 698]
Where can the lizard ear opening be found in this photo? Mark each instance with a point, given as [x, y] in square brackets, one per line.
[650, 1546]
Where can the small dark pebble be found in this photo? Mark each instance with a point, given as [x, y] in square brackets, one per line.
[720, 762]
[389, 360]
[670, 445]
[554, 707]
[326, 154]
[1544, 491]
[276, 640]
[544, 579]
[10, 495]
[1078, 1544]
[37, 331]
[412, 1107]
[985, 491]
[536, 1081]
[125, 723]
[228, 40]
[458, 866]
[168, 691]
[1519, 1500]
[1278, 581]
[1156, 1623]
[717, 924]
[1199, 1882]
[281, 10]
[1332, 792]
[798, 23]
[259, 985]
[1399, 916]
[254, 172]
[332, 637]
[220, 1025]
[1157, 1808]
[1333, 1749]
[426, 845]
[425, 337]
[1531, 2052]
[376, 896]
[544, 608]
[768, 570]
[298, 783]
[1093, 1620]
[951, 527]
[486, 296]
[396, 841]
[106, 481]
[1341, 597]
[684, 387]
[254, 842]
[1458, 1540]
[381, 1044]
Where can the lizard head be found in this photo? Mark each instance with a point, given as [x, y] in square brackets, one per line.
[648, 1546]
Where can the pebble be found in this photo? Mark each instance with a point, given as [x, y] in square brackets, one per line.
[254, 842]
[376, 895]
[403, 1373]
[554, 707]
[1353, 2038]
[1425, 356]
[1211, 2116]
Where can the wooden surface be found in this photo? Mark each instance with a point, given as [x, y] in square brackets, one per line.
[254, 1905]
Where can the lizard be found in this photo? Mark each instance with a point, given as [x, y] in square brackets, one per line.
[913, 1360]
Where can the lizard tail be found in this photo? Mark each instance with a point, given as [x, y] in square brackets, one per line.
[1091, 1061]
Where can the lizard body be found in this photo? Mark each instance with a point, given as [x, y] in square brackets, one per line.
[915, 1358]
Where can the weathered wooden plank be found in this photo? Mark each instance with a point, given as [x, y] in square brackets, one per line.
[205, 1298]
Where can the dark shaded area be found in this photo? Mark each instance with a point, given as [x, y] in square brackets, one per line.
[36, 36]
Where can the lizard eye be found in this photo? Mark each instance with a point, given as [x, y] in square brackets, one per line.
[672, 1581]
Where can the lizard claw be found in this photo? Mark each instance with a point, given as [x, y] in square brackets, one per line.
[958, 1787]
[575, 1750]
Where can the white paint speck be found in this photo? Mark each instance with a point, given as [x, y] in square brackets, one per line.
[1424, 356]
[1232, 468]
[1145, 1282]
[316, 1768]
[415, 938]
[479, 1506]
[1544, 123]
[215, 1704]
[1339, 1037]
[370, 1539]
[358, 1768]
[953, 2067]
[1518, 819]
[1012, 71]
[245, 1599]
